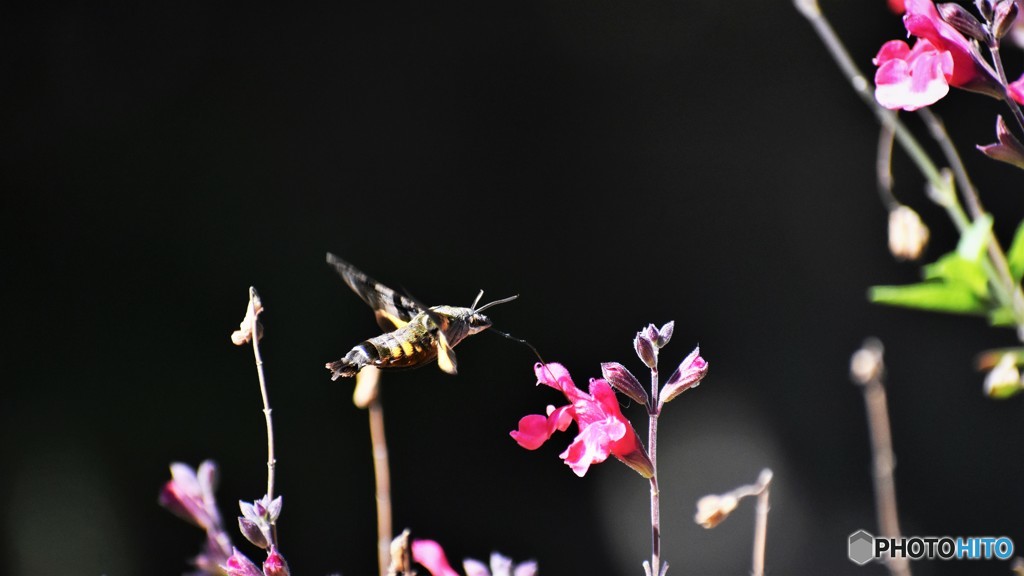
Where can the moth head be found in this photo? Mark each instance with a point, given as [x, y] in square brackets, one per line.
[476, 321]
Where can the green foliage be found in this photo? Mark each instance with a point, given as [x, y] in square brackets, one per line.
[1016, 254]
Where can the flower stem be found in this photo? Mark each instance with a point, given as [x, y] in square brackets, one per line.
[997, 60]
[883, 465]
[382, 478]
[761, 523]
[271, 458]
[652, 452]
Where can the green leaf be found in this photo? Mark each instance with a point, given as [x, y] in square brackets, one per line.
[1016, 254]
[975, 239]
[954, 269]
[934, 296]
[1003, 317]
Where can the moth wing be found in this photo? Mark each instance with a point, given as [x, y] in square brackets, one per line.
[392, 310]
[445, 355]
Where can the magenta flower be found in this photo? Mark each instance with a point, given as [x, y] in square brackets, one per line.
[1016, 90]
[913, 78]
[240, 565]
[431, 556]
[908, 78]
[603, 430]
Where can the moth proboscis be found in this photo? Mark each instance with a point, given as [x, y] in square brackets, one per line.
[413, 334]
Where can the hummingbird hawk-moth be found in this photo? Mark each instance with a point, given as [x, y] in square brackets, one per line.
[413, 334]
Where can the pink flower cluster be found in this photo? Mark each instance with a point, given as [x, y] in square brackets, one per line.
[603, 430]
[911, 78]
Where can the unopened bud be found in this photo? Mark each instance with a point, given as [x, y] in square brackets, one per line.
[1004, 379]
[239, 565]
[665, 334]
[620, 378]
[275, 565]
[1005, 18]
[645, 350]
[907, 233]
[1007, 149]
[963, 21]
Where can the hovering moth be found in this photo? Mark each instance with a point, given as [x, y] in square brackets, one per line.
[413, 334]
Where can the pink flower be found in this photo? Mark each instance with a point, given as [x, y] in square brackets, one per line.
[430, 554]
[913, 78]
[897, 6]
[189, 494]
[1016, 90]
[239, 565]
[603, 430]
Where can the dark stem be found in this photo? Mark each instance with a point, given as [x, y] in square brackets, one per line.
[997, 59]
[652, 452]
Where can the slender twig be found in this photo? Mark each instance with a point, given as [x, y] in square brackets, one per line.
[652, 451]
[367, 395]
[761, 523]
[883, 168]
[867, 369]
[271, 459]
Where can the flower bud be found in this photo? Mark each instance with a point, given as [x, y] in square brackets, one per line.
[963, 21]
[1004, 380]
[688, 375]
[645, 350]
[275, 565]
[623, 380]
[907, 233]
[665, 334]
[252, 532]
[1005, 18]
[1008, 149]
[239, 565]
[985, 8]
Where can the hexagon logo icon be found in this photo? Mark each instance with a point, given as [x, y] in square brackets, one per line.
[861, 547]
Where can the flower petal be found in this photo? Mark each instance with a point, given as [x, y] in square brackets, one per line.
[431, 556]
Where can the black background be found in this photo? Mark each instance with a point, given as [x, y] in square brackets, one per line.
[614, 163]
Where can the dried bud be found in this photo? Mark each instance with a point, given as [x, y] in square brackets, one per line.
[712, 509]
[251, 322]
[963, 21]
[1005, 18]
[1004, 380]
[907, 233]
[1008, 149]
[401, 555]
[866, 364]
[623, 380]
[275, 565]
[645, 350]
[688, 375]
[239, 565]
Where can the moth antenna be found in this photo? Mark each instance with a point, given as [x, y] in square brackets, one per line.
[521, 341]
[495, 303]
[477, 301]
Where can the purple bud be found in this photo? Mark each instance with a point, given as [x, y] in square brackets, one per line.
[274, 509]
[651, 332]
[665, 334]
[645, 350]
[249, 511]
[688, 375]
[620, 378]
[259, 508]
[275, 564]
[253, 532]
[963, 21]
[1008, 149]
[985, 8]
[239, 565]
[1005, 18]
